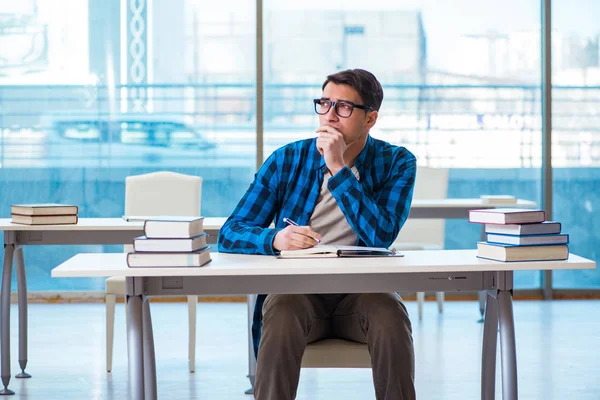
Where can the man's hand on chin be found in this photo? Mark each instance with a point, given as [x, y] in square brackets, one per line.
[332, 146]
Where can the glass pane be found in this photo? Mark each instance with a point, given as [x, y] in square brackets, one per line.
[461, 82]
[117, 88]
[576, 134]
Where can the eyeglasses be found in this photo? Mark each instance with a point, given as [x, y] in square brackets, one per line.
[342, 108]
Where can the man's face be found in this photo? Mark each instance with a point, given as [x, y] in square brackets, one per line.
[360, 121]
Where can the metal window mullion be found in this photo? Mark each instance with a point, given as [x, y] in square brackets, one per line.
[259, 85]
[547, 125]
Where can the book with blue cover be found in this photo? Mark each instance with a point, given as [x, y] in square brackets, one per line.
[528, 240]
[542, 228]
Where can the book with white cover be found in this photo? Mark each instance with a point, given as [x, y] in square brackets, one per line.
[173, 227]
[323, 251]
[142, 243]
[43, 209]
[543, 228]
[507, 216]
[157, 260]
[498, 199]
[528, 240]
[505, 252]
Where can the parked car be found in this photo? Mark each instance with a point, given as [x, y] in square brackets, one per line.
[126, 140]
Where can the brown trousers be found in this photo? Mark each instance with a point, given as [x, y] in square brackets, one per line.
[378, 319]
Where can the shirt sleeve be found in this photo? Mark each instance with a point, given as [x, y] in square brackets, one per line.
[377, 217]
[247, 229]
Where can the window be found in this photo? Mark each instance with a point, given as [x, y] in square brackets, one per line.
[85, 101]
[88, 98]
[461, 83]
[576, 134]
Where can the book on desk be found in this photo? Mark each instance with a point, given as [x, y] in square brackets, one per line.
[541, 228]
[169, 226]
[196, 258]
[145, 244]
[506, 216]
[520, 235]
[44, 214]
[507, 252]
[170, 242]
[324, 251]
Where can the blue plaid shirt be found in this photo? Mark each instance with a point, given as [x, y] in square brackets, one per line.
[288, 185]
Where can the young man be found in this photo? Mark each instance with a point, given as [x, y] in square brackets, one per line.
[344, 187]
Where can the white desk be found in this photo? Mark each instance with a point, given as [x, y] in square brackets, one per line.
[86, 231]
[118, 231]
[443, 270]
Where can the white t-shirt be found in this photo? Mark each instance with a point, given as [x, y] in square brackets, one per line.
[328, 220]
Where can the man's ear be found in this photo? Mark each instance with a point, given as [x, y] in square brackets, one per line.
[372, 118]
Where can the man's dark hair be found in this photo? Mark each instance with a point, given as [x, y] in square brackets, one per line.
[364, 82]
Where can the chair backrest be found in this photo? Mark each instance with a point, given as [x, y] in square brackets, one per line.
[163, 193]
[430, 183]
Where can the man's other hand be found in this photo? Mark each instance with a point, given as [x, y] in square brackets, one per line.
[295, 238]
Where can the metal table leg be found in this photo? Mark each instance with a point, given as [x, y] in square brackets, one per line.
[481, 295]
[508, 351]
[150, 389]
[251, 359]
[9, 250]
[135, 347]
[22, 295]
[488, 359]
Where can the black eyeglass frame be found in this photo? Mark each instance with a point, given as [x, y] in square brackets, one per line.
[334, 104]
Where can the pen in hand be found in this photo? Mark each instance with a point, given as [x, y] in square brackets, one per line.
[293, 223]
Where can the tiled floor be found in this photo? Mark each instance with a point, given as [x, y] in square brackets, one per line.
[558, 354]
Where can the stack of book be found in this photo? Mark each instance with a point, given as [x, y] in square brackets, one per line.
[171, 242]
[43, 214]
[514, 234]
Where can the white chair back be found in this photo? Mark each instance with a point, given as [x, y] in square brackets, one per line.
[430, 184]
[162, 193]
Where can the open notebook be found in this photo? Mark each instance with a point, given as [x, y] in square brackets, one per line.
[321, 251]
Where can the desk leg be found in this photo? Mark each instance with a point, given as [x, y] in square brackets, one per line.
[488, 359]
[508, 351]
[251, 359]
[135, 347]
[149, 356]
[9, 251]
[482, 294]
[22, 294]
